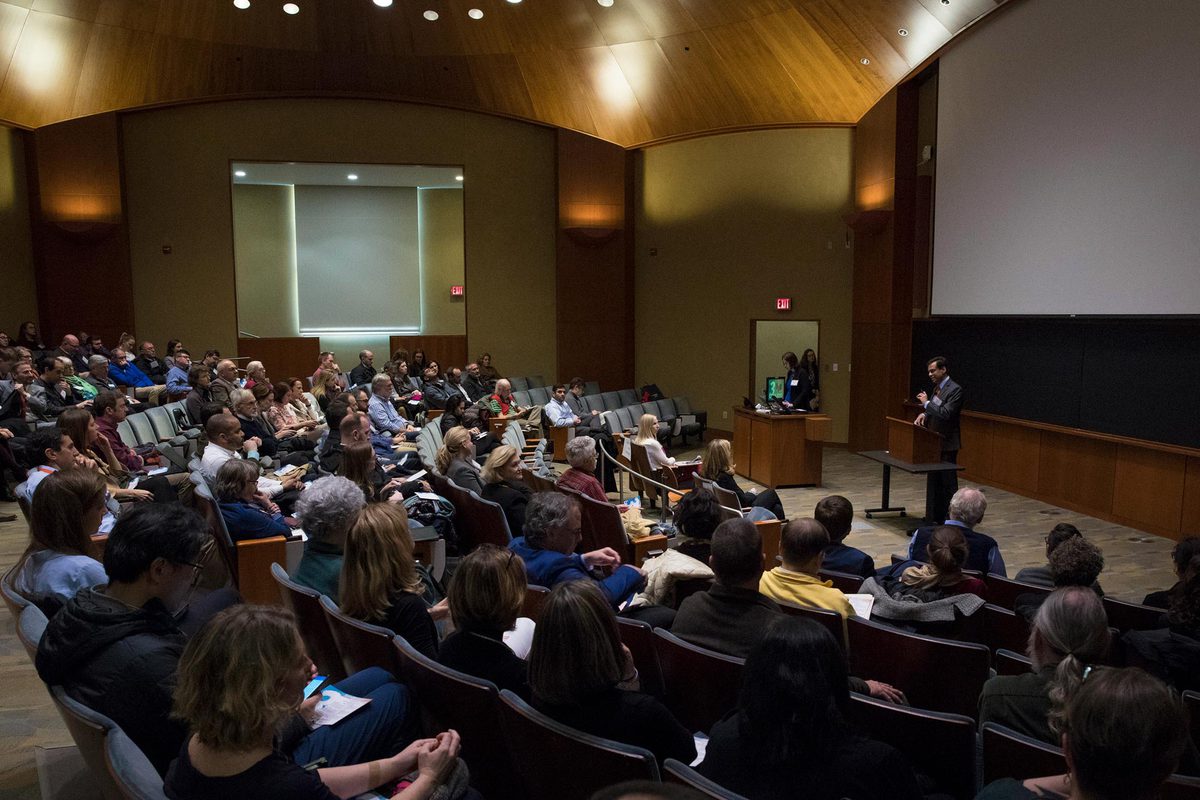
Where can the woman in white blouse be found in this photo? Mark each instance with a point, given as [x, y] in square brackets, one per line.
[646, 437]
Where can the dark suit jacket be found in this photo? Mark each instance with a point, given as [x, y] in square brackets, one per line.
[361, 375]
[475, 388]
[512, 497]
[943, 418]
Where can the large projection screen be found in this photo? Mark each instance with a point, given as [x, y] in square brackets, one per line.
[1068, 162]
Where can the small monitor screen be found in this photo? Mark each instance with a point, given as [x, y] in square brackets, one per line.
[774, 389]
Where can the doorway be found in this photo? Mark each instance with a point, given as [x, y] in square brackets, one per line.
[769, 340]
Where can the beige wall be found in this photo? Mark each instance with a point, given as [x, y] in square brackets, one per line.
[264, 234]
[177, 163]
[738, 220]
[441, 215]
[18, 299]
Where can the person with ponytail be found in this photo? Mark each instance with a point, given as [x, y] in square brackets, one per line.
[943, 575]
[456, 460]
[1070, 634]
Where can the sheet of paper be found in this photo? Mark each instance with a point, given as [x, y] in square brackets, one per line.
[157, 471]
[284, 470]
[701, 747]
[335, 706]
[862, 604]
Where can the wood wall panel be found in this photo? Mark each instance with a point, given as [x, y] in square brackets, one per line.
[1148, 490]
[1015, 457]
[447, 350]
[1081, 471]
[976, 452]
[1189, 523]
[284, 357]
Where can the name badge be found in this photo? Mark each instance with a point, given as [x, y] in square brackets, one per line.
[937, 401]
[795, 382]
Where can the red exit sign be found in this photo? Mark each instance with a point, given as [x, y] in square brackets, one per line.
[456, 291]
[783, 304]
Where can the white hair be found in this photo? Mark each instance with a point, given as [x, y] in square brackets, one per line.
[580, 451]
[328, 506]
[968, 506]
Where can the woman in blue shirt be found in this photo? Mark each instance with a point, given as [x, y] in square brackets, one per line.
[247, 514]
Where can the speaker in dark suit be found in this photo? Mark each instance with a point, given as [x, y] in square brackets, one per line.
[942, 408]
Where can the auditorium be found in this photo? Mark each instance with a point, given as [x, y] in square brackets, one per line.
[599, 399]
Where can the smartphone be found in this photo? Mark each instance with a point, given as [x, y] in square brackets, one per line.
[318, 682]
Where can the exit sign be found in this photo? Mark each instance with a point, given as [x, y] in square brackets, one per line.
[783, 304]
[456, 291]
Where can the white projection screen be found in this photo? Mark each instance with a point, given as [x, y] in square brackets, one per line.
[357, 259]
[1068, 162]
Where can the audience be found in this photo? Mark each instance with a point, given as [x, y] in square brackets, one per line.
[473, 383]
[200, 380]
[1042, 575]
[456, 460]
[98, 375]
[384, 416]
[148, 363]
[696, 517]
[486, 596]
[52, 450]
[836, 513]
[502, 484]
[325, 388]
[58, 561]
[1123, 736]
[581, 675]
[110, 410]
[248, 514]
[967, 508]
[49, 395]
[502, 402]
[1076, 562]
[1069, 636]
[115, 648]
[177, 375]
[802, 546]
[81, 426]
[379, 581]
[1182, 554]
[365, 370]
[256, 373]
[790, 736]
[580, 476]
[127, 373]
[1173, 652]
[647, 437]
[283, 416]
[28, 336]
[488, 374]
[240, 693]
[718, 467]
[452, 414]
[942, 576]
[326, 510]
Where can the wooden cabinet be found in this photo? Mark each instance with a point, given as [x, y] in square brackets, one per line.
[780, 449]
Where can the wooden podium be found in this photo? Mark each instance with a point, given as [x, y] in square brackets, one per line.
[780, 449]
[912, 443]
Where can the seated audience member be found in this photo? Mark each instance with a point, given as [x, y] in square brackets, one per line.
[240, 693]
[200, 380]
[225, 441]
[476, 390]
[1041, 576]
[732, 616]
[551, 534]
[126, 373]
[14, 398]
[802, 546]
[210, 361]
[226, 381]
[58, 561]
[346, 427]
[696, 517]
[559, 414]
[581, 675]
[283, 416]
[1076, 562]
[836, 513]
[98, 377]
[1069, 635]
[360, 465]
[502, 484]
[256, 373]
[587, 419]
[502, 403]
[1124, 735]
[76, 387]
[1184, 551]
[581, 475]
[967, 508]
[434, 390]
[49, 396]
[454, 385]
[365, 371]
[71, 350]
[476, 420]
[325, 388]
[248, 513]
[647, 437]
[1173, 652]
[489, 376]
[115, 648]
[150, 365]
[247, 405]
[326, 510]
[326, 362]
[306, 405]
[110, 410]
[406, 385]
[384, 416]
[485, 597]
[81, 426]
[177, 376]
[361, 399]
[456, 460]
[173, 348]
[452, 414]
[790, 736]
[380, 583]
[943, 575]
[29, 337]
[718, 467]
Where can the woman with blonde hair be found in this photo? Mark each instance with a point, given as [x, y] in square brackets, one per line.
[67, 509]
[240, 690]
[502, 484]
[718, 468]
[647, 437]
[325, 389]
[486, 596]
[380, 583]
[456, 460]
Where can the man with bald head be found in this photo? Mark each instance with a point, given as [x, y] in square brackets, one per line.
[70, 349]
[225, 441]
[149, 363]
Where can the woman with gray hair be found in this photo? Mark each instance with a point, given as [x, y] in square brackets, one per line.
[580, 477]
[246, 512]
[326, 510]
[1070, 635]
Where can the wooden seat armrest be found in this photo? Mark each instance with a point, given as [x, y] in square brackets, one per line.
[647, 544]
[255, 557]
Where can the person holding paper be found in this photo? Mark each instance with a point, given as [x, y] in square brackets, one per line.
[940, 415]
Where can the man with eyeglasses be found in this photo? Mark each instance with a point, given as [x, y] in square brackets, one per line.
[115, 648]
[126, 373]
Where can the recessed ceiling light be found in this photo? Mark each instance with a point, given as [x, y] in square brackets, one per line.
[430, 15]
[903, 31]
[291, 8]
[605, 3]
[460, 177]
[241, 3]
[241, 173]
[475, 13]
[352, 177]
[864, 61]
[514, 2]
[383, 3]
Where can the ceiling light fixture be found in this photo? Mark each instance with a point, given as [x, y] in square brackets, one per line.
[864, 61]
[243, 4]
[605, 3]
[903, 31]
[291, 8]
[475, 13]
[383, 3]
[241, 173]
[352, 177]
[430, 15]
[460, 177]
[945, 2]
[514, 2]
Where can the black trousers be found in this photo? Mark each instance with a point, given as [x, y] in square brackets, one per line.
[939, 488]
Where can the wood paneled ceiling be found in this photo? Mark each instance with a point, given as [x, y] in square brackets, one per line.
[636, 72]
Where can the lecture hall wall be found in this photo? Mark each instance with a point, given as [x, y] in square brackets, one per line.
[18, 293]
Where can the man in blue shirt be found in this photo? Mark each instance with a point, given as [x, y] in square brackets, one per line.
[385, 418]
[967, 508]
[177, 376]
[125, 373]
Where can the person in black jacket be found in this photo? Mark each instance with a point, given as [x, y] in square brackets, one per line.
[115, 648]
[718, 468]
[941, 412]
[502, 484]
[1173, 653]
[1185, 550]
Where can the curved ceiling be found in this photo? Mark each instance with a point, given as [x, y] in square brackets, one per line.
[632, 73]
